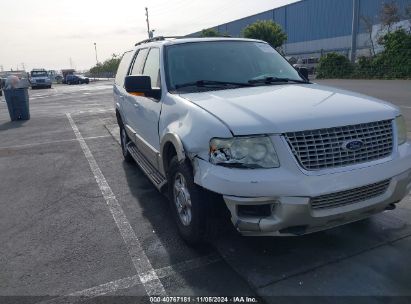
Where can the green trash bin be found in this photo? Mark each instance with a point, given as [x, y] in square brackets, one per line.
[18, 103]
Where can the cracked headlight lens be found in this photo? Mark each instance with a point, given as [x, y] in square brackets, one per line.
[244, 152]
[401, 130]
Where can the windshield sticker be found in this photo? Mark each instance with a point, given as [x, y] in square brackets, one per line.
[265, 47]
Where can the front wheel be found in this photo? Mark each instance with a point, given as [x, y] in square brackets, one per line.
[188, 208]
[124, 141]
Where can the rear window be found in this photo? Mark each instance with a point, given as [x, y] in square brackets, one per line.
[123, 68]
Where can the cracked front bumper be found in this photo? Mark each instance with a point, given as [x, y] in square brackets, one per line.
[288, 191]
[295, 216]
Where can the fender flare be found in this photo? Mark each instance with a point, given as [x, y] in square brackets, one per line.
[118, 110]
[175, 140]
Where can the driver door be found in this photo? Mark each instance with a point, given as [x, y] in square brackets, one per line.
[147, 110]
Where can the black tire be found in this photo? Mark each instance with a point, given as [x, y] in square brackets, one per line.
[124, 141]
[194, 231]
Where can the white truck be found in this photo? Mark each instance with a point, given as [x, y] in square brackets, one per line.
[39, 78]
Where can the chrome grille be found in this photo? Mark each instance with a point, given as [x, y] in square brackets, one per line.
[323, 148]
[351, 196]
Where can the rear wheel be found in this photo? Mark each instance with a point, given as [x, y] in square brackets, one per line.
[189, 210]
[124, 141]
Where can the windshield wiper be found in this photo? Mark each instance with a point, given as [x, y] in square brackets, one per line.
[271, 79]
[205, 83]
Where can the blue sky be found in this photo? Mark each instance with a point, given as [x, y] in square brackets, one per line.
[47, 33]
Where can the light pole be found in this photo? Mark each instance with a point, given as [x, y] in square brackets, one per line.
[356, 7]
[95, 48]
[148, 25]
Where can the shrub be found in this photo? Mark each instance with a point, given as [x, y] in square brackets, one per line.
[395, 60]
[334, 65]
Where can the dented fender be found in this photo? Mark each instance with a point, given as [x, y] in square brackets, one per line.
[188, 127]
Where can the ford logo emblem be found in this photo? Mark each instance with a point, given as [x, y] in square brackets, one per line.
[353, 145]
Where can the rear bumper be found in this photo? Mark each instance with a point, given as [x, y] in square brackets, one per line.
[294, 215]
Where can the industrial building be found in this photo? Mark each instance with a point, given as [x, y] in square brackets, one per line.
[315, 27]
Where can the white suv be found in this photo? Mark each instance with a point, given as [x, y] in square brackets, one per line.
[232, 117]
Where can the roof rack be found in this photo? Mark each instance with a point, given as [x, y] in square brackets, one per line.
[158, 38]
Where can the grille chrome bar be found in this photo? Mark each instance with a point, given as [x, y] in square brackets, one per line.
[351, 196]
[324, 148]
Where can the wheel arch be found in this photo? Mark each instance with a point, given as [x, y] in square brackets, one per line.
[119, 116]
[170, 146]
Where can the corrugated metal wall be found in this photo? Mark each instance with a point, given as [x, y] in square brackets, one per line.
[311, 20]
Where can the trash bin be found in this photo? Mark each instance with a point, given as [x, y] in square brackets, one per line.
[18, 103]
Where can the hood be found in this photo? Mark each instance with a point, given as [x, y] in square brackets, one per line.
[290, 107]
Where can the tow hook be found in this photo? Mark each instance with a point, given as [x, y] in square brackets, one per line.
[391, 206]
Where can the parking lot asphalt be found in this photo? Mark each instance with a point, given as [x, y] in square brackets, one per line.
[77, 222]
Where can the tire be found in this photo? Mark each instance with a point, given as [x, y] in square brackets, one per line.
[124, 141]
[188, 208]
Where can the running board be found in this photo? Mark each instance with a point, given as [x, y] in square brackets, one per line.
[152, 173]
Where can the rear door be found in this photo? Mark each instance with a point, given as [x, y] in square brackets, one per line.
[120, 93]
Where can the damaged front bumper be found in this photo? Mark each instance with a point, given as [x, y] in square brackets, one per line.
[279, 201]
[295, 215]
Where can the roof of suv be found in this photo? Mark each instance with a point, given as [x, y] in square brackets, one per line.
[180, 40]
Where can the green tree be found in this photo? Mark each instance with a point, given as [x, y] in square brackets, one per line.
[107, 68]
[210, 33]
[267, 31]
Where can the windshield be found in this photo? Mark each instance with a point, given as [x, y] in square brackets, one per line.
[39, 74]
[225, 61]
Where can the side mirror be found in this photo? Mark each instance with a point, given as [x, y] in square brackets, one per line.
[303, 72]
[140, 85]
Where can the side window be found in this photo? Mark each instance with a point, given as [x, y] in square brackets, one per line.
[123, 68]
[139, 62]
[152, 67]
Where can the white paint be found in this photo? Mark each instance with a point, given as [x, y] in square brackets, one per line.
[145, 278]
[136, 252]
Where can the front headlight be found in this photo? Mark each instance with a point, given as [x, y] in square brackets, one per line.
[244, 152]
[401, 130]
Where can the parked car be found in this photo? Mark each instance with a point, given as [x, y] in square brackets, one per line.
[2, 85]
[232, 118]
[76, 79]
[39, 78]
[309, 63]
[58, 78]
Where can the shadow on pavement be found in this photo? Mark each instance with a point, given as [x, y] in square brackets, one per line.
[164, 247]
[12, 125]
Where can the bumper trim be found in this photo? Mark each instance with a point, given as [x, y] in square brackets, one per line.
[294, 215]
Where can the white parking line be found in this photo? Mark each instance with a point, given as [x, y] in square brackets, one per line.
[136, 252]
[128, 282]
[51, 142]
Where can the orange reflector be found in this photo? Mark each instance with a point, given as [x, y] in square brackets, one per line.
[137, 94]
